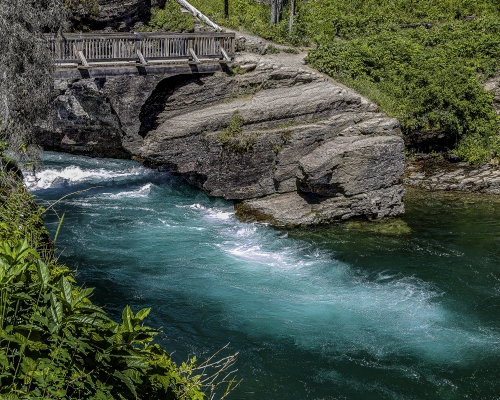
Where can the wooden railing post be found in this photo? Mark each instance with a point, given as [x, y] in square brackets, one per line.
[138, 40]
[147, 48]
[58, 48]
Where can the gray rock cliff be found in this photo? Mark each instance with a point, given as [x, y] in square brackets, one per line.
[303, 150]
[307, 152]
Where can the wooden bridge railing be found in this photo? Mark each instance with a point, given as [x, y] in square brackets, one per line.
[144, 48]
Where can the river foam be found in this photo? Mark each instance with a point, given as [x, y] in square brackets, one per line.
[374, 326]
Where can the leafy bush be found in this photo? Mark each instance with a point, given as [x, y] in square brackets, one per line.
[55, 343]
[421, 61]
[235, 128]
[170, 18]
[19, 217]
[429, 79]
[233, 136]
[271, 49]
[252, 16]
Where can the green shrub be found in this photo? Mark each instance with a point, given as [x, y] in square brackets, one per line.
[235, 128]
[426, 79]
[271, 49]
[290, 50]
[254, 17]
[20, 218]
[170, 18]
[421, 61]
[55, 343]
[233, 136]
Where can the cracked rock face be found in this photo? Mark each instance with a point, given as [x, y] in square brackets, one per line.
[97, 117]
[82, 115]
[351, 165]
[308, 151]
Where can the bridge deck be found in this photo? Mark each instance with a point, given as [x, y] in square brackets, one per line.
[137, 70]
[142, 51]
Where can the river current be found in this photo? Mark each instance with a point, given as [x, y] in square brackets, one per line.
[336, 312]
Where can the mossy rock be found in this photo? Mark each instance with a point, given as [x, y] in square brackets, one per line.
[391, 226]
[245, 213]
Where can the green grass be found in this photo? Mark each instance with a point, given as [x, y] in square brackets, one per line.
[422, 61]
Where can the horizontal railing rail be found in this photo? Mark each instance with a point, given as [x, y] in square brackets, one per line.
[86, 48]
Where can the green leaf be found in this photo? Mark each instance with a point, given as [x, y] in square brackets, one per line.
[65, 287]
[21, 339]
[21, 249]
[127, 316]
[137, 363]
[125, 379]
[21, 296]
[43, 320]
[143, 313]
[90, 308]
[84, 293]
[58, 228]
[28, 327]
[16, 269]
[43, 272]
[55, 308]
[92, 319]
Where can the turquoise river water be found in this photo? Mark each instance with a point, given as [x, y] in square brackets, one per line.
[323, 313]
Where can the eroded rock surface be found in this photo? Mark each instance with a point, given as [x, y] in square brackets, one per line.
[97, 117]
[307, 152]
[438, 174]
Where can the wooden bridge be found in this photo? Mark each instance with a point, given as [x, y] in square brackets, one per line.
[117, 53]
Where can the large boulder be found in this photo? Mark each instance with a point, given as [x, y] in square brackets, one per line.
[84, 122]
[352, 165]
[306, 151]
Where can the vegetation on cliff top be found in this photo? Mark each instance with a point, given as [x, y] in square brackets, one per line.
[423, 62]
[170, 18]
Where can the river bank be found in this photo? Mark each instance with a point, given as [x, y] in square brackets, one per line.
[359, 314]
[434, 172]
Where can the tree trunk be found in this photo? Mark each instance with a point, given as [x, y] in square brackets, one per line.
[198, 14]
[226, 8]
[273, 12]
[292, 14]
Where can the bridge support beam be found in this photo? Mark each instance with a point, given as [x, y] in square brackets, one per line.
[195, 60]
[83, 60]
[142, 60]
